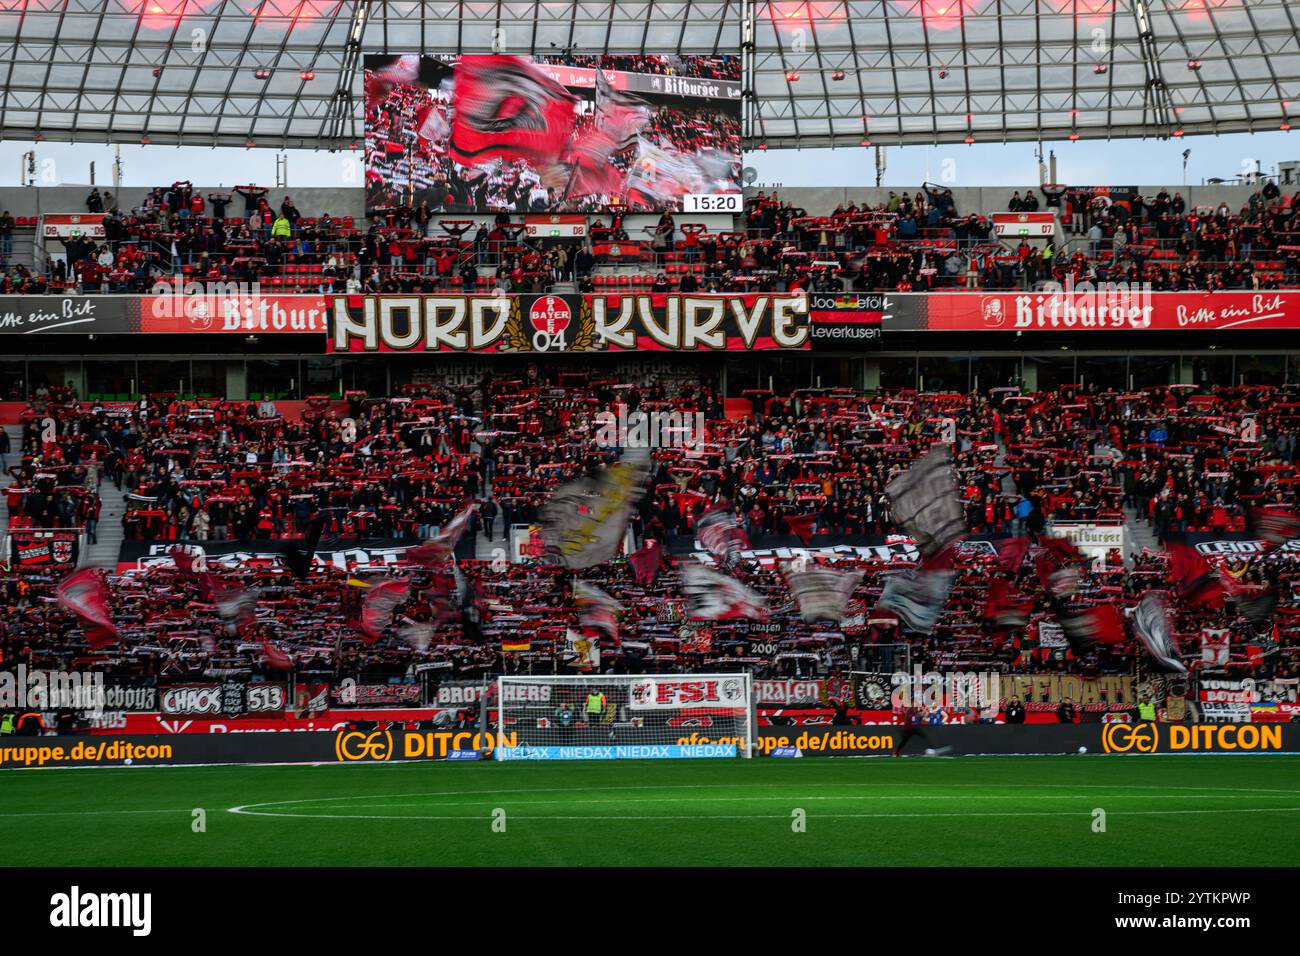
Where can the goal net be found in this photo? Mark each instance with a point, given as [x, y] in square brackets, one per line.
[622, 717]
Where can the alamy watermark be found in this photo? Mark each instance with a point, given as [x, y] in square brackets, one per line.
[44, 690]
[656, 429]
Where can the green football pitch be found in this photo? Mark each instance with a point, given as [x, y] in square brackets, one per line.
[1161, 811]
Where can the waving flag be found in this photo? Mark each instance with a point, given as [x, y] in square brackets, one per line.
[583, 521]
[1192, 576]
[720, 532]
[236, 605]
[1276, 526]
[1057, 566]
[924, 501]
[1254, 602]
[1151, 625]
[275, 658]
[1011, 553]
[646, 561]
[1086, 627]
[188, 560]
[85, 594]
[917, 597]
[378, 606]
[821, 593]
[597, 611]
[435, 552]
[299, 557]
[416, 633]
[713, 596]
[1006, 607]
[506, 108]
[803, 526]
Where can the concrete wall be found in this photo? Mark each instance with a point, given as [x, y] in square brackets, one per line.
[821, 200]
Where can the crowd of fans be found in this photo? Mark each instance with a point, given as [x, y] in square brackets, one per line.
[920, 242]
[402, 467]
[908, 242]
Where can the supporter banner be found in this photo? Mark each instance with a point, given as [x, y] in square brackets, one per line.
[70, 225]
[1246, 699]
[1228, 544]
[1115, 690]
[1099, 310]
[769, 549]
[341, 553]
[181, 308]
[1031, 225]
[44, 550]
[375, 695]
[514, 324]
[794, 692]
[852, 319]
[659, 693]
[229, 698]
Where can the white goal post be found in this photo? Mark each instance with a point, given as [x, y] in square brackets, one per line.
[624, 716]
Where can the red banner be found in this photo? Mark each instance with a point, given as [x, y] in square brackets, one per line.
[1100, 310]
[245, 311]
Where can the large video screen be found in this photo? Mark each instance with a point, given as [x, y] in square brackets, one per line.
[550, 134]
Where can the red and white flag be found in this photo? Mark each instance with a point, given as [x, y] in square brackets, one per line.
[713, 596]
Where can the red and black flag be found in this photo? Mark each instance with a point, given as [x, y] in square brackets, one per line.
[85, 594]
[1276, 526]
[720, 532]
[378, 606]
[1086, 627]
[1006, 607]
[1192, 577]
[646, 561]
[802, 525]
[504, 107]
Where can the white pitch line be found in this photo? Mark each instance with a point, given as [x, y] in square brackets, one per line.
[864, 797]
[249, 808]
[779, 816]
[87, 813]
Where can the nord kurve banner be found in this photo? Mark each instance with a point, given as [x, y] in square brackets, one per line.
[568, 323]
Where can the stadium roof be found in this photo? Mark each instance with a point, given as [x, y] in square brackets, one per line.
[285, 73]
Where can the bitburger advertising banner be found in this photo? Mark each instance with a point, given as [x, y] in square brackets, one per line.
[1098, 309]
[524, 324]
[169, 309]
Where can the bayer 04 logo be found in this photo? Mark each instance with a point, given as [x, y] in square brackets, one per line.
[733, 688]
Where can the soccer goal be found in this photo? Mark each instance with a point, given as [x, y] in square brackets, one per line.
[623, 717]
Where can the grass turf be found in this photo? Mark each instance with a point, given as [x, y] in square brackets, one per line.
[991, 811]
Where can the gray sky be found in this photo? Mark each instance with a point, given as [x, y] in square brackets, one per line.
[1119, 162]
